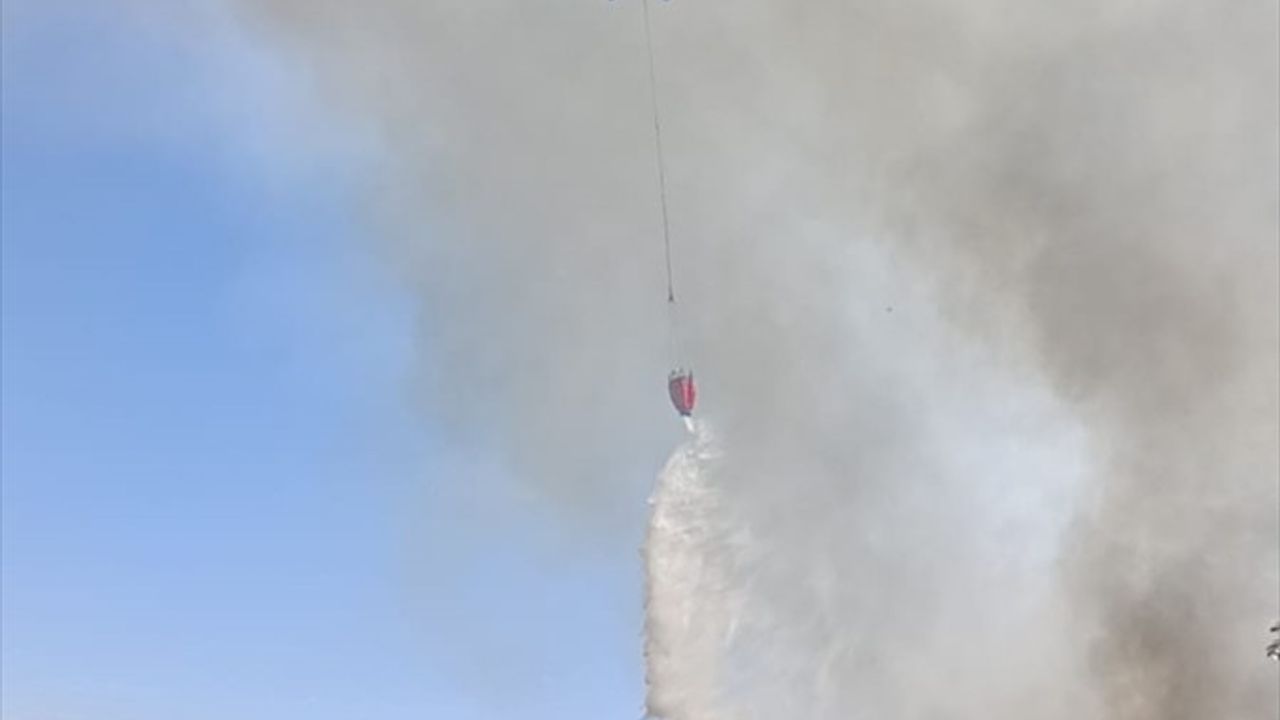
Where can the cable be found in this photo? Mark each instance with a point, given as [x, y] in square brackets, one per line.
[657, 138]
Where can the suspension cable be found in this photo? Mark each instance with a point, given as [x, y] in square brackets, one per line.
[657, 139]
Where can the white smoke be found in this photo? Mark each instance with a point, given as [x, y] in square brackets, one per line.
[914, 584]
[982, 298]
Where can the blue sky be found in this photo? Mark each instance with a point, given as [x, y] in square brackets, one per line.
[218, 498]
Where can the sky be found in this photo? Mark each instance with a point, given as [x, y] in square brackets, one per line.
[217, 500]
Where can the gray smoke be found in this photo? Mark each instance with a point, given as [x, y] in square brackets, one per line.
[982, 297]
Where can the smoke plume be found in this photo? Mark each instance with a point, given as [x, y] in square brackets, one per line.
[982, 297]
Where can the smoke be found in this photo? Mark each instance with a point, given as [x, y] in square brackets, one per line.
[982, 297]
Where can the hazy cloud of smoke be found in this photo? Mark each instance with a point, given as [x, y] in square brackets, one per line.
[1042, 485]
